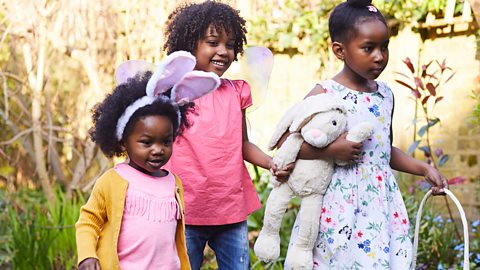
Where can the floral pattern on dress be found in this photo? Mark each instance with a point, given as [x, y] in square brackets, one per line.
[364, 222]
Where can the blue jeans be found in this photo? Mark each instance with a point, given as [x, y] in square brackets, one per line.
[229, 242]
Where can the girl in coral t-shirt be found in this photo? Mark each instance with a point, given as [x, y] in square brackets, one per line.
[209, 156]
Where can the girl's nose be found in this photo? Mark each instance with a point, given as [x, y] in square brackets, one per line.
[222, 50]
[378, 56]
[158, 150]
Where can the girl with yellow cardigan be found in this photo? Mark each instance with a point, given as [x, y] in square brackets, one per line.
[134, 218]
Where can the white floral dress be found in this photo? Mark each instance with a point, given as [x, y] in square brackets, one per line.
[364, 222]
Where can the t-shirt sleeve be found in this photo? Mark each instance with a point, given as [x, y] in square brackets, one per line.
[244, 90]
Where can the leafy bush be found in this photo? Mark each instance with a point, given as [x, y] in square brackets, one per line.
[39, 235]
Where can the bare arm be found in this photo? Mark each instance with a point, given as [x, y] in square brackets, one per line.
[251, 152]
[254, 155]
[340, 149]
[400, 161]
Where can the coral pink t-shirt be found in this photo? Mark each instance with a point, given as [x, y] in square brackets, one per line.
[208, 158]
[147, 234]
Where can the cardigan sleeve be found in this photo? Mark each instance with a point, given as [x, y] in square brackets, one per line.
[93, 216]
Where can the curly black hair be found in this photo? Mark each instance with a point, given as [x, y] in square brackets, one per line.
[106, 114]
[188, 23]
[347, 15]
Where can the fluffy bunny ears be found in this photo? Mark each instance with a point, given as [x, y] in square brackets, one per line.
[175, 72]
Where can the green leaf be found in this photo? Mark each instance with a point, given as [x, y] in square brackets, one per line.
[413, 146]
[422, 131]
[443, 159]
[433, 122]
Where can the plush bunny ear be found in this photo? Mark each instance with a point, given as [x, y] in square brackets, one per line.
[170, 71]
[313, 105]
[283, 125]
[194, 85]
[131, 68]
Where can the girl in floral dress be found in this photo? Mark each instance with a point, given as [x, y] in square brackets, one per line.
[364, 222]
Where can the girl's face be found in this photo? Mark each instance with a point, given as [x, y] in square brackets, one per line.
[366, 53]
[215, 51]
[149, 145]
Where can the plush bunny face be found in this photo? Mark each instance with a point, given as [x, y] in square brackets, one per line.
[324, 128]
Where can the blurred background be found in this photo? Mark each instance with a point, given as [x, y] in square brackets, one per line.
[57, 59]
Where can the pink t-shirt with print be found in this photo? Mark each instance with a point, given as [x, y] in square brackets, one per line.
[208, 158]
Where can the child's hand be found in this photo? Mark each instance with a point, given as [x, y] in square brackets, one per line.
[344, 150]
[436, 179]
[281, 174]
[89, 264]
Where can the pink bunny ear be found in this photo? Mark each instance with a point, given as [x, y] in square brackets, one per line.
[170, 71]
[194, 85]
[131, 68]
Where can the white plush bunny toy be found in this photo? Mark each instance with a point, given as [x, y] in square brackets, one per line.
[317, 120]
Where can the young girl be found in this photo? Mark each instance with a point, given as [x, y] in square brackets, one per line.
[134, 218]
[209, 157]
[364, 223]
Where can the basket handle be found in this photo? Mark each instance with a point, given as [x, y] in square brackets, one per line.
[466, 260]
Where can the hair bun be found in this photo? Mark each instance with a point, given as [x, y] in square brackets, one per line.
[359, 3]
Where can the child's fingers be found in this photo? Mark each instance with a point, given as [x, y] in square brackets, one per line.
[440, 183]
[281, 179]
[438, 191]
[289, 167]
[282, 173]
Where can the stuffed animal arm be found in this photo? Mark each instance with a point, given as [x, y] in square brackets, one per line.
[357, 134]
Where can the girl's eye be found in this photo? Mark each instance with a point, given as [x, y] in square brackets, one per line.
[145, 142]
[367, 49]
[211, 42]
[334, 122]
[167, 143]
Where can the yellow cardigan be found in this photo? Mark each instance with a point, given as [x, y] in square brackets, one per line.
[100, 219]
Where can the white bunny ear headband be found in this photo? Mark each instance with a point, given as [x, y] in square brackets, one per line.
[175, 73]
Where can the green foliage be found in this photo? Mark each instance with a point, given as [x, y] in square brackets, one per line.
[301, 26]
[298, 27]
[38, 235]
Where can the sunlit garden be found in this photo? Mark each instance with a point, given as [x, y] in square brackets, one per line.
[57, 59]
